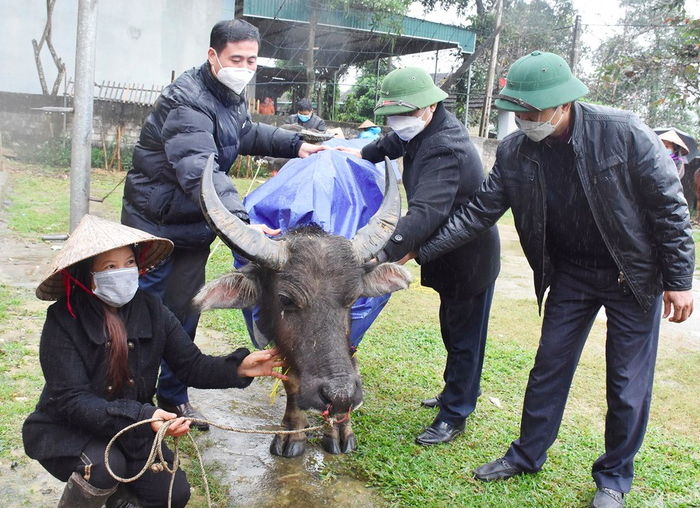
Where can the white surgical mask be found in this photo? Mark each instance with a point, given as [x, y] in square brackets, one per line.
[406, 127]
[235, 78]
[116, 287]
[537, 131]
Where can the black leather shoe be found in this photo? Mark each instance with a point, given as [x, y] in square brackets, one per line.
[439, 432]
[608, 498]
[187, 411]
[499, 469]
[432, 402]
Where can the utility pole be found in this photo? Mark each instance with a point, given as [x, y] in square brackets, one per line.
[486, 111]
[81, 143]
[575, 49]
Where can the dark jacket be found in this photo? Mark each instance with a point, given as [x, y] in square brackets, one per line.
[315, 122]
[441, 171]
[631, 186]
[76, 403]
[194, 117]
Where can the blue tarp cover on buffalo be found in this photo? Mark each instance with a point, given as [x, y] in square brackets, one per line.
[332, 189]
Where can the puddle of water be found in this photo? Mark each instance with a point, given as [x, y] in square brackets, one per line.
[254, 476]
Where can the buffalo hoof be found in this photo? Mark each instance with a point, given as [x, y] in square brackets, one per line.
[284, 446]
[335, 446]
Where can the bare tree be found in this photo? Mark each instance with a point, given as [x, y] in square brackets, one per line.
[46, 38]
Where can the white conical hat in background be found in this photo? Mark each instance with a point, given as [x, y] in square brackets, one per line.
[366, 124]
[676, 140]
[93, 236]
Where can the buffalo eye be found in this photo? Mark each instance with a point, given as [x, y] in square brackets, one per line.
[285, 301]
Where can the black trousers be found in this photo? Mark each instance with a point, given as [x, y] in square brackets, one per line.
[177, 281]
[574, 299]
[151, 489]
[464, 326]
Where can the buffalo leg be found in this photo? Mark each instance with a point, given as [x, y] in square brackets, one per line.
[291, 445]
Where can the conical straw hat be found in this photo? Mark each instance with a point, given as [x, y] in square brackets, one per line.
[94, 236]
[675, 139]
[366, 124]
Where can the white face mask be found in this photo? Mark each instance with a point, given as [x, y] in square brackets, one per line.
[537, 131]
[116, 287]
[235, 78]
[406, 127]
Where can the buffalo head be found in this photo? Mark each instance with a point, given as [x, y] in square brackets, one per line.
[304, 284]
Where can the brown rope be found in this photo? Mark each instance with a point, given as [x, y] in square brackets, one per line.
[157, 463]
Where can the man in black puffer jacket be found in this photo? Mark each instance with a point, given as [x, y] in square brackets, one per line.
[202, 112]
[603, 222]
[441, 170]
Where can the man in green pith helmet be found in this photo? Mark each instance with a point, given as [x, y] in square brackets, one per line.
[603, 223]
[441, 170]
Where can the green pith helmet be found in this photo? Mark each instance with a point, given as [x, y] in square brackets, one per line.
[405, 90]
[539, 81]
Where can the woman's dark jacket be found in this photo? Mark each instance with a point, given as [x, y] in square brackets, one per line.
[76, 404]
[194, 117]
[441, 170]
[315, 122]
[631, 186]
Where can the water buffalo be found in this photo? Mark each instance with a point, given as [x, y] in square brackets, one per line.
[304, 284]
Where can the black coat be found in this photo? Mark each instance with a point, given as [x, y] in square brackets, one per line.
[631, 186]
[75, 404]
[315, 122]
[441, 171]
[194, 117]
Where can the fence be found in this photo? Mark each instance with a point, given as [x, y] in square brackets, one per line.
[122, 92]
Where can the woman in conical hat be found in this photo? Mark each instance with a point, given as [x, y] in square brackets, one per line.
[676, 149]
[100, 351]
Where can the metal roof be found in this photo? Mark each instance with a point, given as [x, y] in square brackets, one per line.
[346, 37]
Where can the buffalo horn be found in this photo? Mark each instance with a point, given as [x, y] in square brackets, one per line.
[369, 240]
[248, 242]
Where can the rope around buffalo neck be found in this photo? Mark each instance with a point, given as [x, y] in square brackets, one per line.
[157, 463]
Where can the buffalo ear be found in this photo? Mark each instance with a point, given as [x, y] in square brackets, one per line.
[385, 278]
[231, 291]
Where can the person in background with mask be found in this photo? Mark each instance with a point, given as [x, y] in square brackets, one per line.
[603, 223]
[306, 118]
[100, 351]
[441, 170]
[202, 112]
[676, 149]
[369, 130]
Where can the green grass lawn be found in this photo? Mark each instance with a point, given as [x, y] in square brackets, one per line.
[402, 358]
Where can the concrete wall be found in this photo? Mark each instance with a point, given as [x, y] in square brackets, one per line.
[21, 121]
[138, 41]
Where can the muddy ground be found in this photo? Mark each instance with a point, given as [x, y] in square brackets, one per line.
[254, 477]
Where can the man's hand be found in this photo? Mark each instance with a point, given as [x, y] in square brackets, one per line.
[682, 303]
[352, 151]
[178, 428]
[307, 149]
[262, 363]
[411, 255]
[266, 229]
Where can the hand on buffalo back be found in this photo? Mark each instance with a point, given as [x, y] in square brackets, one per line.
[262, 363]
[266, 229]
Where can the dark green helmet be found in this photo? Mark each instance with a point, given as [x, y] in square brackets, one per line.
[407, 89]
[539, 81]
